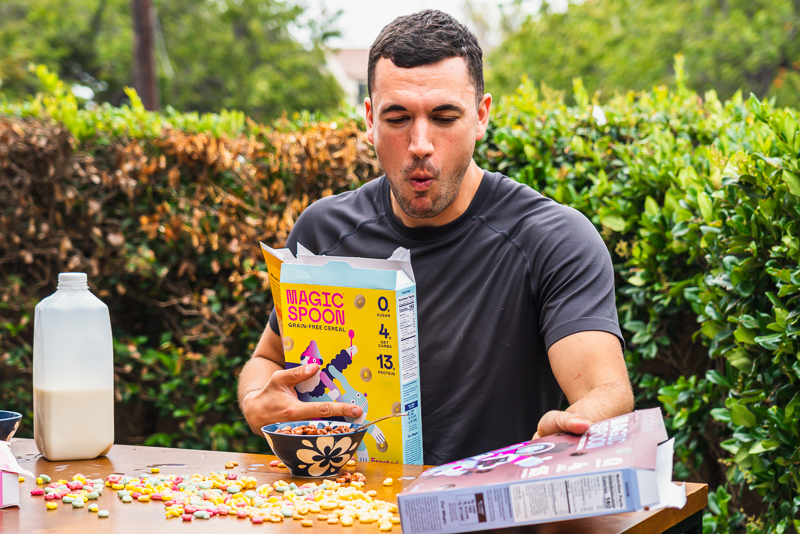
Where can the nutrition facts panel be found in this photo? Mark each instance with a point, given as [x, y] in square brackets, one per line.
[407, 321]
[577, 495]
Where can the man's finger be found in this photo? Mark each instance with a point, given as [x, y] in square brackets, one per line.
[556, 421]
[325, 410]
[295, 375]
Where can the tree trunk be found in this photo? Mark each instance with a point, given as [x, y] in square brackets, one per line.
[144, 66]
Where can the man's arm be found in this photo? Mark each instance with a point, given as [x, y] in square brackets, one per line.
[266, 388]
[590, 368]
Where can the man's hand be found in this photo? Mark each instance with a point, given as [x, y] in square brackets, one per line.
[556, 421]
[277, 401]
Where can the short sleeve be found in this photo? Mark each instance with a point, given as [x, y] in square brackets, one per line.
[574, 281]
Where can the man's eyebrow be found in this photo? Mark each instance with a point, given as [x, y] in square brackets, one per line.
[448, 107]
[393, 107]
[443, 107]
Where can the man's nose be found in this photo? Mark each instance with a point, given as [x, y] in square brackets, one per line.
[421, 144]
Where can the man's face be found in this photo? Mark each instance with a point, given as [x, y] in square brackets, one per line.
[424, 123]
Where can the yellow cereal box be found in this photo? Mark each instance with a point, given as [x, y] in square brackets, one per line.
[357, 319]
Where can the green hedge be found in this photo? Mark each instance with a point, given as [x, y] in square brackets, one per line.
[696, 199]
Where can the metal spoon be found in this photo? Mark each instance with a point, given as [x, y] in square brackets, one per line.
[379, 419]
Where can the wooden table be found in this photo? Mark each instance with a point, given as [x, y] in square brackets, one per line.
[140, 518]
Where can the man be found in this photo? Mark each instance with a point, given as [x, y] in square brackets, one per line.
[515, 292]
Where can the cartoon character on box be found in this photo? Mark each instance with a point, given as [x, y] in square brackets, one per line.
[524, 455]
[314, 389]
[360, 399]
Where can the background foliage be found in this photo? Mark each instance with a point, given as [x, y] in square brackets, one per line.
[211, 55]
[621, 45]
[696, 198]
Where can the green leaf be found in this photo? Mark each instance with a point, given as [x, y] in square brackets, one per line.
[721, 414]
[739, 359]
[637, 280]
[530, 152]
[716, 378]
[741, 416]
[765, 446]
[711, 329]
[791, 407]
[792, 182]
[634, 326]
[706, 208]
[775, 162]
[680, 229]
[614, 222]
[650, 206]
[745, 335]
[770, 342]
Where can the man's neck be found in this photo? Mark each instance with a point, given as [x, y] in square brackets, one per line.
[466, 192]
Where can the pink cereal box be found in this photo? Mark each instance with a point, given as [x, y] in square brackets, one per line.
[620, 465]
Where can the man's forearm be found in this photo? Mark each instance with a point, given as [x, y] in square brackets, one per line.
[254, 376]
[604, 402]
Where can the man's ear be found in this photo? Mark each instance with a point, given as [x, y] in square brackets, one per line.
[368, 110]
[483, 116]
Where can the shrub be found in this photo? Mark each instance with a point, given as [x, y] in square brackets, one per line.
[696, 199]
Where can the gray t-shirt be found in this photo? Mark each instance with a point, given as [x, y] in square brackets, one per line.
[495, 289]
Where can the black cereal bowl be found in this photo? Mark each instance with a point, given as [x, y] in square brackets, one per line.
[313, 455]
[9, 422]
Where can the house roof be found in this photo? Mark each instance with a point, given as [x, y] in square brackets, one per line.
[354, 62]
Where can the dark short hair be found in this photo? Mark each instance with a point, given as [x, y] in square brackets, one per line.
[426, 38]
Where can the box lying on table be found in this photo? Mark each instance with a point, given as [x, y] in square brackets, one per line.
[357, 319]
[620, 465]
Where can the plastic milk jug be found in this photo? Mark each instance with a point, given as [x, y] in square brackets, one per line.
[73, 373]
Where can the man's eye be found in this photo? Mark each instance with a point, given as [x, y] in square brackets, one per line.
[397, 120]
[446, 120]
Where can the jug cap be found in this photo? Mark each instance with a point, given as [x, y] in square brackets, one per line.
[72, 277]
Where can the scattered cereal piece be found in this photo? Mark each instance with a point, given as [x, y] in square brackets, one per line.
[93, 507]
[187, 517]
[229, 465]
[332, 520]
[307, 523]
[77, 503]
[155, 470]
[322, 517]
[22, 479]
[395, 520]
[276, 519]
[39, 481]
[102, 513]
[51, 505]
[346, 521]
[388, 482]
[257, 519]
[297, 516]
[385, 526]
[372, 493]
[351, 463]
[281, 464]
[274, 463]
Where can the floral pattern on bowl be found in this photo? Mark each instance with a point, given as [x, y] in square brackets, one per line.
[9, 422]
[313, 455]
